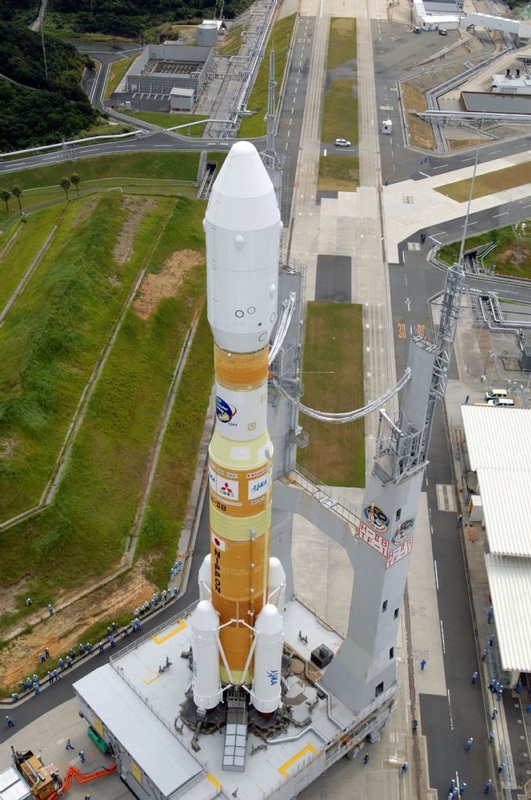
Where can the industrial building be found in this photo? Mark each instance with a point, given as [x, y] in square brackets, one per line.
[511, 82]
[431, 15]
[490, 103]
[163, 67]
[498, 443]
[13, 786]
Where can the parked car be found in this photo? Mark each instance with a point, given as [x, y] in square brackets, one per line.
[500, 401]
[342, 143]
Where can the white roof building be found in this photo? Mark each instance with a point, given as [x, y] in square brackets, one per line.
[499, 447]
[13, 786]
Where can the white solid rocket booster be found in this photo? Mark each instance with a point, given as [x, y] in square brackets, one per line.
[242, 226]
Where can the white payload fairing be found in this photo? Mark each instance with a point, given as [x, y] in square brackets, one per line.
[237, 629]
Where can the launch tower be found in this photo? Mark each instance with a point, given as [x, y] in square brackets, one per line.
[249, 659]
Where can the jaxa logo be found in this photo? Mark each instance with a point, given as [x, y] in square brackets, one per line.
[273, 677]
[259, 487]
[224, 412]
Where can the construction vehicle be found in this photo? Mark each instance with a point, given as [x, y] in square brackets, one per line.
[43, 781]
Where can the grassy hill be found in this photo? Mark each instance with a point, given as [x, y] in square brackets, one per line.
[82, 311]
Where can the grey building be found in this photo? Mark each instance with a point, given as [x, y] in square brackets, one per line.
[163, 67]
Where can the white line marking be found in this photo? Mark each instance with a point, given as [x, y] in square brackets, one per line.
[450, 709]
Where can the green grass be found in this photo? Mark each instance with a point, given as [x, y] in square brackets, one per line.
[340, 112]
[339, 173]
[171, 120]
[279, 40]
[9, 226]
[178, 166]
[232, 41]
[141, 173]
[185, 232]
[84, 531]
[116, 73]
[333, 381]
[489, 183]
[341, 42]
[511, 256]
[29, 238]
[167, 505]
[52, 337]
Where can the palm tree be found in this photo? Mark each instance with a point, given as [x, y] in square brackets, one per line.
[16, 191]
[74, 180]
[65, 184]
[5, 196]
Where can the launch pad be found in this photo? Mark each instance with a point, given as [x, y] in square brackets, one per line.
[249, 690]
[134, 703]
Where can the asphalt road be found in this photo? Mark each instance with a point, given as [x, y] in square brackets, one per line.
[398, 55]
[295, 91]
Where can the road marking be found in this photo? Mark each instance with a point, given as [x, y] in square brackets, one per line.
[446, 500]
[450, 710]
[441, 166]
[424, 173]
[470, 223]
[436, 575]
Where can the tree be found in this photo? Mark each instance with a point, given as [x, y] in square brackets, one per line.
[16, 191]
[65, 185]
[75, 180]
[5, 196]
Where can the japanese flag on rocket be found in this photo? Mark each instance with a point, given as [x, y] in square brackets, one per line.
[217, 542]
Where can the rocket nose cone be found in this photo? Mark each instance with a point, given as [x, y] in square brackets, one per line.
[243, 173]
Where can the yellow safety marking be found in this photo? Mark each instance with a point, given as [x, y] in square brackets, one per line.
[213, 780]
[150, 677]
[161, 639]
[285, 767]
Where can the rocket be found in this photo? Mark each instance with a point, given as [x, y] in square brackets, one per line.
[237, 628]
